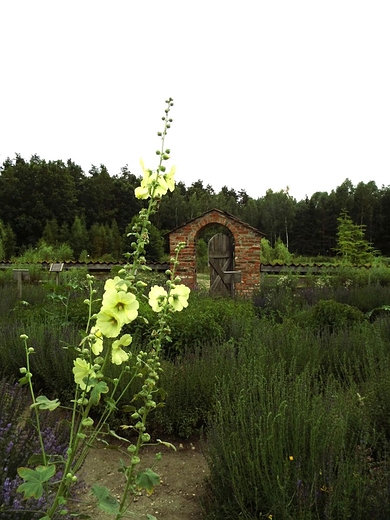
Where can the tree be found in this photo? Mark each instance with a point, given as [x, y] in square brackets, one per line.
[351, 244]
[78, 236]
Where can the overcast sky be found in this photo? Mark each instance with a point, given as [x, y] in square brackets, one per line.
[268, 94]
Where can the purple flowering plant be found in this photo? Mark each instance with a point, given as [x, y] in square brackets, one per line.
[53, 475]
[18, 446]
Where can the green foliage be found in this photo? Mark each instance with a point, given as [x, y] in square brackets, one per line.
[215, 319]
[286, 444]
[7, 242]
[328, 315]
[34, 479]
[351, 244]
[154, 248]
[265, 389]
[61, 252]
[202, 260]
[78, 236]
[189, 383]
[278, 254]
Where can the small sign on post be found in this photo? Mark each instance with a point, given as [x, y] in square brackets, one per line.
[56, 268]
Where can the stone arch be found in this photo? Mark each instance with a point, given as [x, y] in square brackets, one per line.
[247, 248]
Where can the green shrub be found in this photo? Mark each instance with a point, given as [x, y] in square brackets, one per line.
[189, 383]
[328, 315]
[282, 445]
[210, 320]
[52, 361]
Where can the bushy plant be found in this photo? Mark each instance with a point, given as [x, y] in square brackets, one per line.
[283, 445]
[279, 254]
[328, 315]
[53, 361]
[189, 383]
[214, 320]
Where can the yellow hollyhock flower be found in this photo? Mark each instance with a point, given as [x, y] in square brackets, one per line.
[118, 356]
[109, 323]
[169, 178]
[124, 305]
[143, 191]
[159, 186]
[178, 297]
[82, 370]
[154, 183]
[115, 284]
[157, 298]
[97, 341]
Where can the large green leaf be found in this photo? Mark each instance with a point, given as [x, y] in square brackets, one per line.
[97, 391]
[106, 502]
[33, 480]
[147, 479]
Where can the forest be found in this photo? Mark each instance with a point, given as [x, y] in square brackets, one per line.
[90, 214]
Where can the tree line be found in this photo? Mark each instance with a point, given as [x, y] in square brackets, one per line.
[54, 202]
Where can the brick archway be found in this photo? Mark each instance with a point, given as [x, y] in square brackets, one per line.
[247, 249]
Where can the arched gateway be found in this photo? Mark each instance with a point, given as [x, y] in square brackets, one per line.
[238, 273]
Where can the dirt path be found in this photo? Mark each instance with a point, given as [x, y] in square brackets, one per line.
[178, 496]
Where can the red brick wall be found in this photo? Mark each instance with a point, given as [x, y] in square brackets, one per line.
[247, 250]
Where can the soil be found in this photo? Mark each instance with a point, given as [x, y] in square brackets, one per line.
[178, 496]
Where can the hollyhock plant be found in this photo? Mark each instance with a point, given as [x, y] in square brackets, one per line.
[102, 344]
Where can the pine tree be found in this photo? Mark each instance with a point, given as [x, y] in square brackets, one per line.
[351, 242]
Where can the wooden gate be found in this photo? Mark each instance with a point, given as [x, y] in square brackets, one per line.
[221, 260]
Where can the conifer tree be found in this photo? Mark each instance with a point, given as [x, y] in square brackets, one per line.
[351, 243]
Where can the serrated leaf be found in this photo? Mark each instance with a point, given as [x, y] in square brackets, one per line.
[106, 502]
[43, 403]
[99, 389]
[33, 480]
[147, 480]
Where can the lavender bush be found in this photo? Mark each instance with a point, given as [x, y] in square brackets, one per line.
[18, 446]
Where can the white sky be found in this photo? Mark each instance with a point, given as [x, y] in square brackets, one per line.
[268, 94]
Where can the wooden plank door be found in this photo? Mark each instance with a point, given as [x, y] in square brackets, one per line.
[221, 258]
